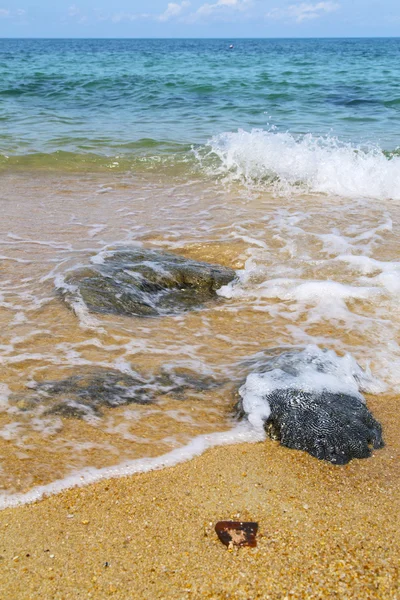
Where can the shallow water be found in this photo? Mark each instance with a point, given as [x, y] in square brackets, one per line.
[308, 218]
[314, 270]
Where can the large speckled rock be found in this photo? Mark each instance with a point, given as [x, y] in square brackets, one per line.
[144, 283]
[310, 400]
[86, 393]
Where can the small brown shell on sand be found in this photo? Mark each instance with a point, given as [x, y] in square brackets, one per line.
[237, 533]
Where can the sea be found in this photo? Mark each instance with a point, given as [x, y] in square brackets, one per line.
[279, 158]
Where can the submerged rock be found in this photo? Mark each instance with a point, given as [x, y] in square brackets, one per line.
[310, 400]
[85, 394]
[144, 283]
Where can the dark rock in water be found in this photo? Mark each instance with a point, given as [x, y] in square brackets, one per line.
[144, 283]
[333, 427]
[73, 410]
[84, 395]
[301, 398]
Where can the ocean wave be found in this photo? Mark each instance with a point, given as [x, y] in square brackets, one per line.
[101, 156]
[287, 163]
[280, 163]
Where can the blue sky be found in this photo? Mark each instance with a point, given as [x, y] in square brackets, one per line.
[199, 18]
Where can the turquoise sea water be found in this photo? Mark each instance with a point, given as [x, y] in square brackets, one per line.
[126, 104]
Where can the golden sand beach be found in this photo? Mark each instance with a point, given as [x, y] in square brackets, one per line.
[324, 531]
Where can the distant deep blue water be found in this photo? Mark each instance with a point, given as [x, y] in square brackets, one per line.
[122, 103]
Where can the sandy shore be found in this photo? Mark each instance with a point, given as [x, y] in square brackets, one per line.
[325, 531]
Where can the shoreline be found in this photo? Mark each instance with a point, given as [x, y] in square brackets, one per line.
[325, 531]
[240, 433]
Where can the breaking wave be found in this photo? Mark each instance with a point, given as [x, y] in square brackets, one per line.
[306, 163]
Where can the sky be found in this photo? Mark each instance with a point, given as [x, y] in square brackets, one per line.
[199, 18]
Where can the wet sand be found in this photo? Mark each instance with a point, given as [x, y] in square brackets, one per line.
[325, 531]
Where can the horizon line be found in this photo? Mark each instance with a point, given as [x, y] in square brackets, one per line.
[346, 37]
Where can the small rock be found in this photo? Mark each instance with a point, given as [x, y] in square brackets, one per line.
[237, 533]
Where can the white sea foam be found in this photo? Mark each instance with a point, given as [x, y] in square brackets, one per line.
[5, 393]
[100, 257]
[11, 431]
[95, 229]
[19, 318]
[381, 273]
[239, 434]
[307, 163]
[329, 295]
[311, 370]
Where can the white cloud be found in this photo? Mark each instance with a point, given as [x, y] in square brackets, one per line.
[118, 17]
[304, 11]
[5, 13]
[73, 11]
[219, 8]
[173, 10]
